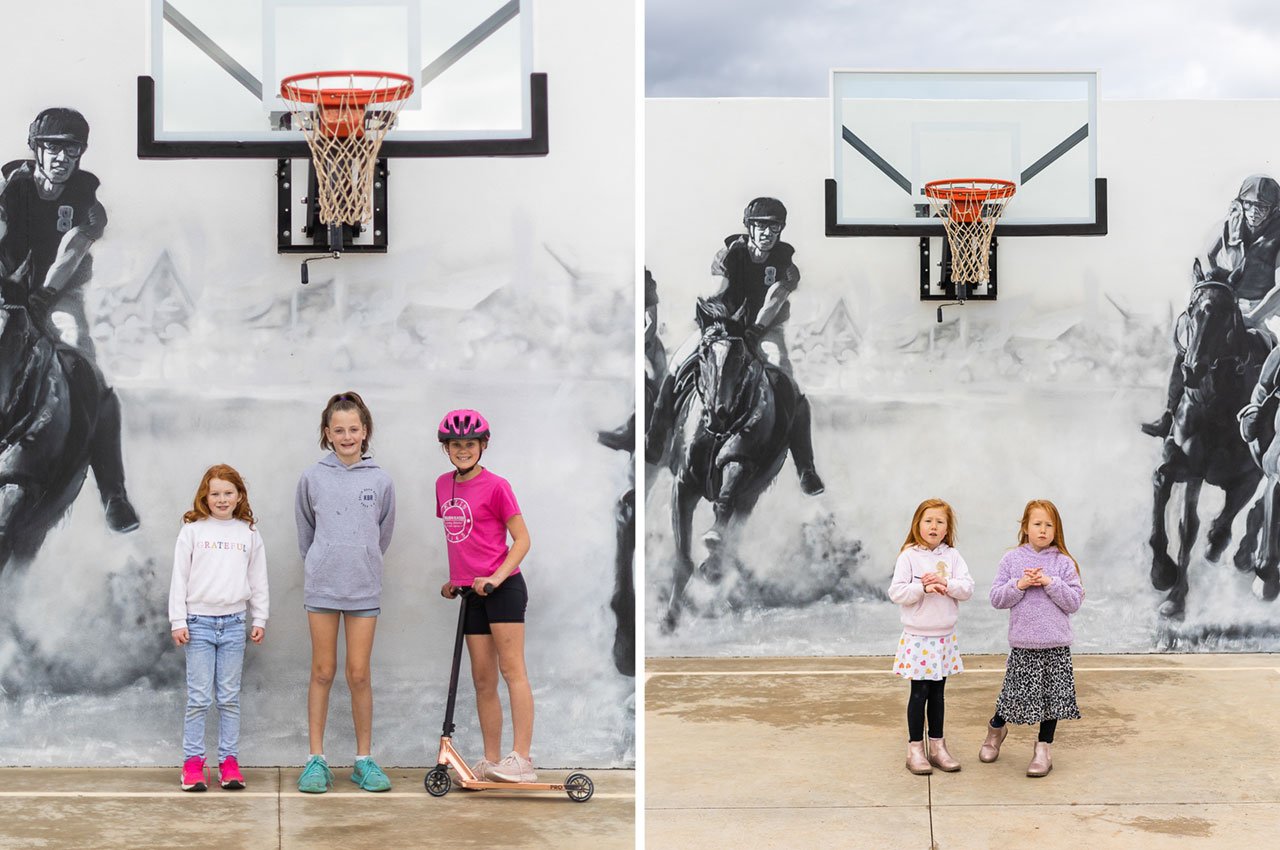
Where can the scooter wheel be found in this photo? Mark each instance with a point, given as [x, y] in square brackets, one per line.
[579, 787]
[437, 782]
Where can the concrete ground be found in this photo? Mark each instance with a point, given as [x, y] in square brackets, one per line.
[1172, 752]
[144, 807]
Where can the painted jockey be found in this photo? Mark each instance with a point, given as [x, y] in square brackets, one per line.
[757, 275]
[1246, 256]
[53, 216]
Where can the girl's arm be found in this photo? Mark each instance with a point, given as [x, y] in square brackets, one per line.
[259, 599]
[905, 589]
[387, 522]
[960, 582]
[304, 516]
[519, 548]
[178, 586]
[1065, 588]
[1004, 590]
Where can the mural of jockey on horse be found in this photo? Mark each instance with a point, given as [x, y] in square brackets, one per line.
[1246, 256]
[1219, 375]
[51, 219]
[623, 439]
[757, 276]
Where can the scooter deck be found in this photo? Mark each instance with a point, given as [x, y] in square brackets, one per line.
[484, 785]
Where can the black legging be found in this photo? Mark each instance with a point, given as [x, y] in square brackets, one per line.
[1047, 728]
[926, 695]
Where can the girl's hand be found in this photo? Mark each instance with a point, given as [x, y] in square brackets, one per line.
[1045, 580]
[447, 590]
[1031, 578]
[939, 587]
[928, 579]
[256, 633]
[181, 636]
[478, 585]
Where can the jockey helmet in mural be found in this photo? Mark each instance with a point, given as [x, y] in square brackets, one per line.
[58, 124]
[463, 424]
[764, 209]
[1260, 189]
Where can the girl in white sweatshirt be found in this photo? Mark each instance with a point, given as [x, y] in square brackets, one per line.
[929, 581]
[219, 581]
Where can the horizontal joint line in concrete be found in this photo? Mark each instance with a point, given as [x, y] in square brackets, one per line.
[1171, 669]
[240, 795]
[1003, 803]
[851, 807]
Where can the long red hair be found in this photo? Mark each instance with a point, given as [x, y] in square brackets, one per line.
[1059, 540]
[200, 507]
[913, 534]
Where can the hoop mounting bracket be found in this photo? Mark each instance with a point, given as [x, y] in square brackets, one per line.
[313, 235]
[949, 293]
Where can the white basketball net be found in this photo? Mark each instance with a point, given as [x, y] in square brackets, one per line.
[344, 128]
[969, 210]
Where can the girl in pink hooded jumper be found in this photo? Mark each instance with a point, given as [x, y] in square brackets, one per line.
[929, 581]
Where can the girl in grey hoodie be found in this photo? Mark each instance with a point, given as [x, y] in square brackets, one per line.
[345, 511]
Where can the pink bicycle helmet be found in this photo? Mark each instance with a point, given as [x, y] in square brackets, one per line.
[463, 424]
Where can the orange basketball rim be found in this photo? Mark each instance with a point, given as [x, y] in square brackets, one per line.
[966, 197]
[342, 97]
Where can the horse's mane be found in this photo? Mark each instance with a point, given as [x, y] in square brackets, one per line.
[713, 311]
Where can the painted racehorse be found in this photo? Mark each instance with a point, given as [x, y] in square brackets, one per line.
[48, 409]
[733, 422]
[1222, 359]
[1258, 424]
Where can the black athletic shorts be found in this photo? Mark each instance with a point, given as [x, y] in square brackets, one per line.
[504, 605]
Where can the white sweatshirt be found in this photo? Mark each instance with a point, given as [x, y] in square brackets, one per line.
[219, 565]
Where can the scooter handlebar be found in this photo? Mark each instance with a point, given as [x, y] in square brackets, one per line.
[467, 591]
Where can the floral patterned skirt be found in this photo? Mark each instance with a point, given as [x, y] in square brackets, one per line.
[927, 657]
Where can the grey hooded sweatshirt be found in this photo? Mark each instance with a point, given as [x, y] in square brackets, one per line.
[345, 517]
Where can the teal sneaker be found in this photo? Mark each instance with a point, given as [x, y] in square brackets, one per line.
[316, 777]
[369, 776]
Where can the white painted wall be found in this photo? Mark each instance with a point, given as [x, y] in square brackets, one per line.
[1038, 395]
[508, 287]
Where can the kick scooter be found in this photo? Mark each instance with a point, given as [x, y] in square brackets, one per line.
[578, 786]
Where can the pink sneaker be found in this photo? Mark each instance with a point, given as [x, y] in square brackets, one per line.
[193, 774]
[514, 768]
[229, 775]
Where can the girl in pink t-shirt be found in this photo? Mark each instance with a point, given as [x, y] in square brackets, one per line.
[479, 511]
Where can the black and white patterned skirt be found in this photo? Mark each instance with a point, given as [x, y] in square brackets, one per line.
[1039, 685]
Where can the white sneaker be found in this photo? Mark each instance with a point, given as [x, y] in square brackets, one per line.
[483, 770]
[514, 768]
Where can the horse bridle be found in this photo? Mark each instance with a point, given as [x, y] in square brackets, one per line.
[738, 398]
[1241, 362]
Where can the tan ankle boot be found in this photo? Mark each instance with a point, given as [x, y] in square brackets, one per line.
[990, 749]
[917, 761]
[1041, 762]
[940, 758]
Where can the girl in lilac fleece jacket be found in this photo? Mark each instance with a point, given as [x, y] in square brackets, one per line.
[1039, 582]
[929, 581]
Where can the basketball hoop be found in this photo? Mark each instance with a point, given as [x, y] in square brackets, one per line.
[344, 116]
[969, 209]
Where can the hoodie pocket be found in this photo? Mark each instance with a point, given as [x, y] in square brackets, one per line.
[315, 568]
[346, 571]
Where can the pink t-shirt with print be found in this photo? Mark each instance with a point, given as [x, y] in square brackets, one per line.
[475, 515]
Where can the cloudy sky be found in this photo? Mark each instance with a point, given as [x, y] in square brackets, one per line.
[1144, 49]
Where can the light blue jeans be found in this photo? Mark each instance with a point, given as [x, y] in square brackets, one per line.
[215, 658]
